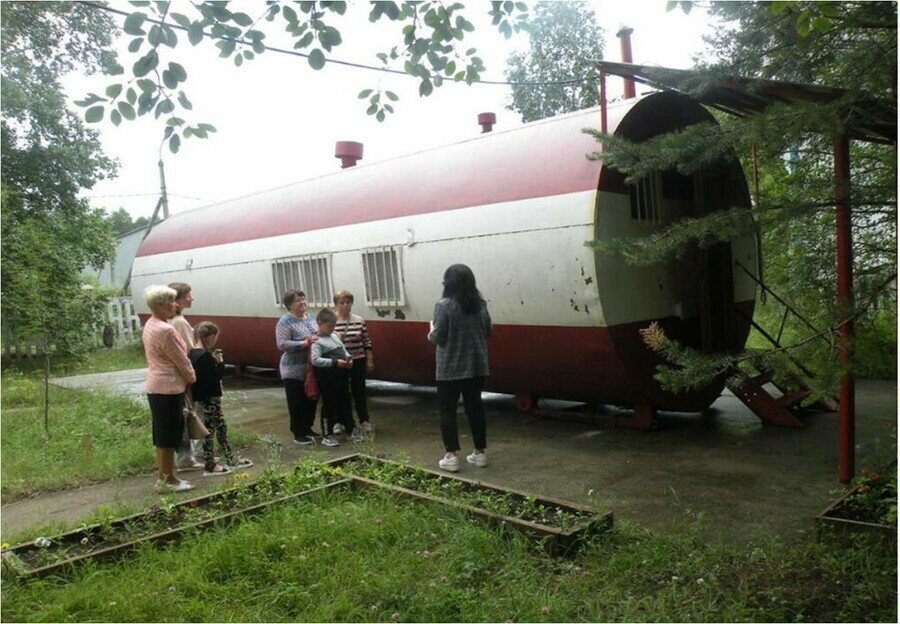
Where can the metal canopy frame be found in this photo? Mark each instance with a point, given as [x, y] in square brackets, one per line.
[864, 119]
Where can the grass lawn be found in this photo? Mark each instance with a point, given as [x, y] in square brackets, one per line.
[371, 557]
[90, 435]
[341, 556]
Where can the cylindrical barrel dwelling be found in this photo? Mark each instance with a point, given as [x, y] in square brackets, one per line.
[517, 206]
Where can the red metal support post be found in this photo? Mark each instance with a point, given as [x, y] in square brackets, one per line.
[844, 239]
[624, 36]
[602, 100]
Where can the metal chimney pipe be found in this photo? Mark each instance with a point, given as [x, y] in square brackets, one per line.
[349, 152]
[624, 36]
[487, 121]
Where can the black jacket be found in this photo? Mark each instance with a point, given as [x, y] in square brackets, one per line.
[209, 375]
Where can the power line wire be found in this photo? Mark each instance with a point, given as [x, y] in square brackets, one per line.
[333, 60]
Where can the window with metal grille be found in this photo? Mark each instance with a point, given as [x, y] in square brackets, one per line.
[311, 274]
[646, 199]
[384, 279]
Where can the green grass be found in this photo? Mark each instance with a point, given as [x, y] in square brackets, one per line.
[99, 361]
[93, 435]
[345, 557]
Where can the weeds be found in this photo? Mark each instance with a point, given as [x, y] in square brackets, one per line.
[94, 436]
[346, 557]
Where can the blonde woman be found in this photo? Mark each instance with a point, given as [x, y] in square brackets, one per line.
[169, 374]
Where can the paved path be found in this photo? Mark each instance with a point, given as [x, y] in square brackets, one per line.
[722, 462]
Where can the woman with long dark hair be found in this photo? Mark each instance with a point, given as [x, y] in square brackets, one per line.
[460, 329]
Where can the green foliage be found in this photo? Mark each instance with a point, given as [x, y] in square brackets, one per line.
[48, 234]
[677, 240]
[557, 74]
[401, 561]
[121, 222]
[432, 50]
[117, 427]
[851, 45]
[96, 436]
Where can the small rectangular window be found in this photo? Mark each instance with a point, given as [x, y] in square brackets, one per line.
[383, 277]
[311, 274]
[646, 199]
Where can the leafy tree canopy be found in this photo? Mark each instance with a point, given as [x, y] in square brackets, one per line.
[121, 222]
[850, 45]
[432, 49]
[558, 73]
[48, 234]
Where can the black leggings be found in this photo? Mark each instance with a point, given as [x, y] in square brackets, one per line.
[448, 397]
[302, 410]
[358, 389]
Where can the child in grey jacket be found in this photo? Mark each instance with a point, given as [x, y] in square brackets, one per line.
[332, 364]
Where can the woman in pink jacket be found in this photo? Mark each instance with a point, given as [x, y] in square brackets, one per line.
[169, 374]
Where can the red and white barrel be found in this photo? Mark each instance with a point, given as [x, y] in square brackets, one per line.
[517, 206]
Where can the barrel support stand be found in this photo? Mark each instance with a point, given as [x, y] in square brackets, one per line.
[643, 419]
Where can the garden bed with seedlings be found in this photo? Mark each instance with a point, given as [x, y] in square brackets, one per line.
[165, 522]
[558, 525]
[868, 509]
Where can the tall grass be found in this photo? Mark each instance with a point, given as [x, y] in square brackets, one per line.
[94, 435]
[99, 361]
[345, 557]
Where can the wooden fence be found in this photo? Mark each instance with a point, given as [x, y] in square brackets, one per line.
[121, 327]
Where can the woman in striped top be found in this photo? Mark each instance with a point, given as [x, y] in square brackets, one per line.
[351, 329]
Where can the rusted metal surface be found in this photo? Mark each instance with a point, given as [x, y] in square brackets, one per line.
[844, 239]
[624, 36]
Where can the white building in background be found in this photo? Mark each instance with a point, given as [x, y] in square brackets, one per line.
[122, 323]
[116, 272]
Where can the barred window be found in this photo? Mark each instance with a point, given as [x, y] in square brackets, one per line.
[646, 199]
[311, 274]
[383, 277]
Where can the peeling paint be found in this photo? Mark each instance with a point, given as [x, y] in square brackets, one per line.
[399, 315]
[382, 313]
[574, 305]
[588, 280]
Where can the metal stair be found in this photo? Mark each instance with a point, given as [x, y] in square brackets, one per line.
[777, 409]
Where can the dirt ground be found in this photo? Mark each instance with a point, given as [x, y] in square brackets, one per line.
[722, 462]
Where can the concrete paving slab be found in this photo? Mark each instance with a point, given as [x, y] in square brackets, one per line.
[722, 463]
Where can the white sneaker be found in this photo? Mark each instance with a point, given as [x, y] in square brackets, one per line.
[367, 426]
[477, 459]
[450, 465]
[338, 428]
[331, 441]
[181, 486]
